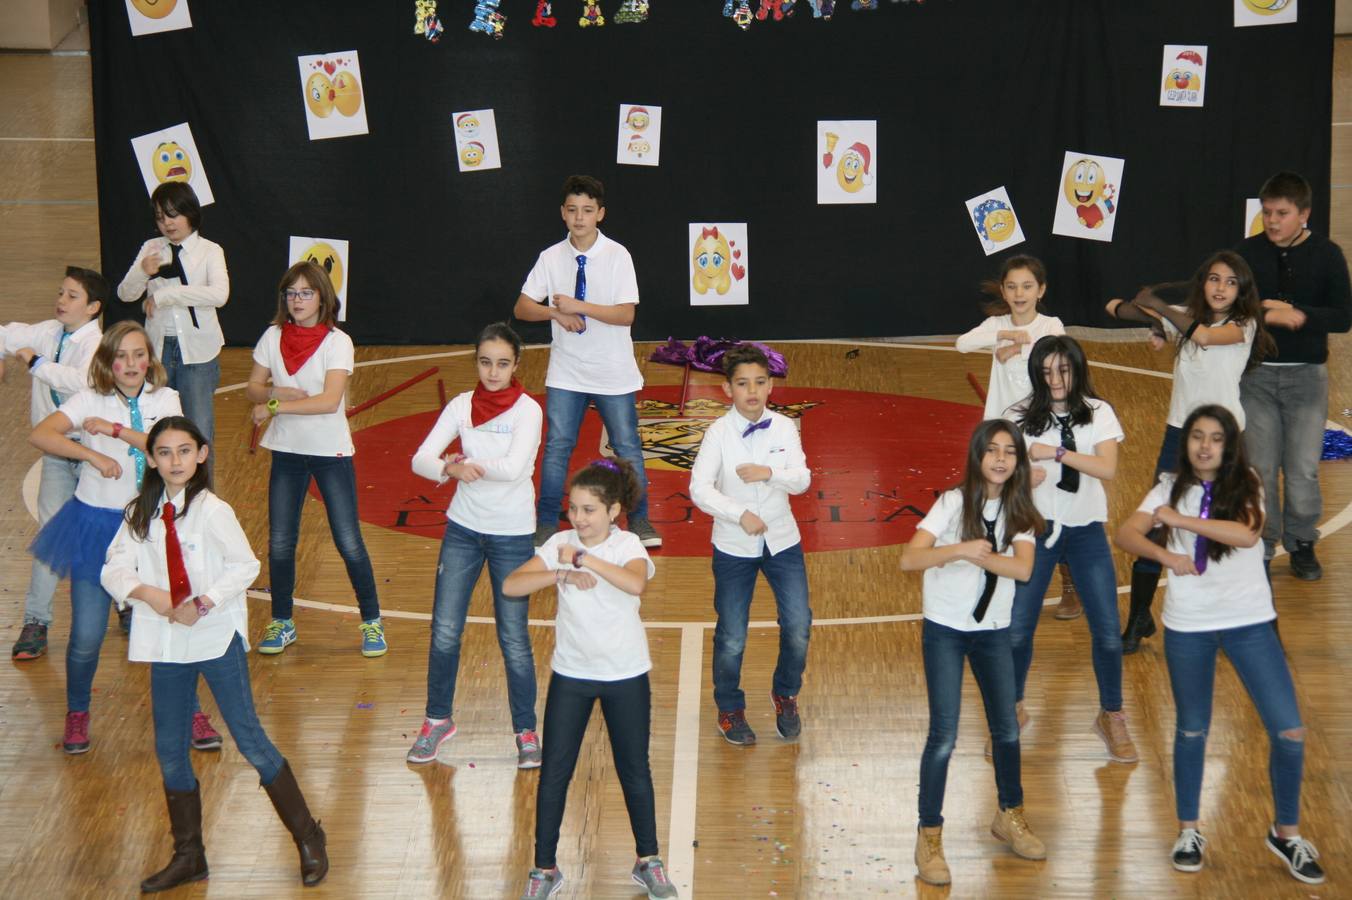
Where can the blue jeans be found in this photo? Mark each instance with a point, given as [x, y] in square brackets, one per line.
[196, 384]
[734, 583]
[337, 481]
[1256, 653]
[57, 485]
[1285, 408]
[173, 699]
[993, 667]
[1085, 549]
[89, 604]
[1167, 462]
[463, 554]
[564, 410]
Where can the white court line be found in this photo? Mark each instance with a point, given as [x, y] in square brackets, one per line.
[76, 140]
[685, 761]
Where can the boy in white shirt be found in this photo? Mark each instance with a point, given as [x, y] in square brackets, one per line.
[749, 462]
[586, 287]
[57, 353]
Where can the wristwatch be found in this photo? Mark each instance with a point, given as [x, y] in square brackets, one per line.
[202, 608]
[577, 558]
[1060, 452]
[34, 361]
[272, 406]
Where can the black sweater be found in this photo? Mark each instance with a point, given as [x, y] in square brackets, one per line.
[1315, 282]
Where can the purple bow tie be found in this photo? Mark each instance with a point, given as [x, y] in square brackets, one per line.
[757, 426]
[1199, 551]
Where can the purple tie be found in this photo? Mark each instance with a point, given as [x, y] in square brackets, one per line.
[757, 426]
[1199, 551]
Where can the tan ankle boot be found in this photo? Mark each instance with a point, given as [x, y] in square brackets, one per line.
[929, 855]
[1069, 607]
[1011, 827]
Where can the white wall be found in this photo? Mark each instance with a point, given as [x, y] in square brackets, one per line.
[37, 24]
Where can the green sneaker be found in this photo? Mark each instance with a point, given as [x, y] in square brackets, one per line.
[276, 637]
[373, 638]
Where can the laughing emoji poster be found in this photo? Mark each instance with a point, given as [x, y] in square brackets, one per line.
[1264, 12]
[170, 154]
[1087, 197]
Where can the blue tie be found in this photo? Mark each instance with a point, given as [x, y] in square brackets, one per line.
[137, 424]
[763, 423]
[60, 346]
[580, 287]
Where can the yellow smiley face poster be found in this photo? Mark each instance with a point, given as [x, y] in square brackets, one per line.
[1264, 12]
[155, 16]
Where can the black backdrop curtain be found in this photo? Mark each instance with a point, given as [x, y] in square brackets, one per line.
[968, 95]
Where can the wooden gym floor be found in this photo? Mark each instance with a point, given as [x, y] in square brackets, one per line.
[830, 816]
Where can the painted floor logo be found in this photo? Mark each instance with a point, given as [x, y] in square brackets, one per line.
[877, 462]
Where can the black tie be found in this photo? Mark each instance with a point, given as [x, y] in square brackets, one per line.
[174, 269]
[991, 578]
[1070, 478]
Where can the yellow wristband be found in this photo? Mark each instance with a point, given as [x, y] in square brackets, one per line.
[272, 406]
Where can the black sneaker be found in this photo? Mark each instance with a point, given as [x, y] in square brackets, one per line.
[787, 722]
[32, 641]
[735, 729]
[1303, 563]
[124, 618]
[1299, 856]
[1187, 853]
[646, 533]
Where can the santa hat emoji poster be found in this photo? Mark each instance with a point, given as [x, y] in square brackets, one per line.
[847, 162]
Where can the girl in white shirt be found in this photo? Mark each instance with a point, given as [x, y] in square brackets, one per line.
[308, 360]
[600, 653]
[1204, 525]
[125, 398]
[182, 562]
[1014, 324]
[491, 520]
[974, 543]
[1220, 336]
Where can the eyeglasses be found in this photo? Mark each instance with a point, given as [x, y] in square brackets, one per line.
[302, 294]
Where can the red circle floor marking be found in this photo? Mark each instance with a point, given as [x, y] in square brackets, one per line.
[876, 459]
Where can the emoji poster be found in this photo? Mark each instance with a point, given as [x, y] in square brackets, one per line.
[170, 154]
[1253, 217]
[1087, 196]
[847, 162]
[476, 140]
[330, 254]
[992, 215]
[1183, 80]
[719, 273]
[332, 91]
[154, 16]
[1264, 12]
[640, 135]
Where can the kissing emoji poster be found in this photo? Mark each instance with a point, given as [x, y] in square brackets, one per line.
[331, 89]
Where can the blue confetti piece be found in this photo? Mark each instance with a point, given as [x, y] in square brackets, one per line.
[1337, 444]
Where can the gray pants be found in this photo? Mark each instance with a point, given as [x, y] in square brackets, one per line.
[1286, 407]
[59, 477]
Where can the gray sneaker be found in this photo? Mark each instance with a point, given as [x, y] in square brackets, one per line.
[429, 741]
[544, 531]
[647, 534]
[650, 873]
[528, 750]
[541, 883]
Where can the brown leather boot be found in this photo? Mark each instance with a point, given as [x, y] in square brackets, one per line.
[295, 815]
[1069, 607]
[190, 859]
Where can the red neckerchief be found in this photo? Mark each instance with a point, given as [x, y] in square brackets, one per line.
[487, 405]
[299, 344]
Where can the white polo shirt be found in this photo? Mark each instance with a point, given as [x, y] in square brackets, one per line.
[1231, 593]
[114, 493]
[220, 565]
[1205, 375]
[207, 290]
[68, 376]
[325, 434]
[951, 591]
[598, 634]
[1090, 502]
[717, 490]
[599, 360]
[1009, 379]
[503, 500]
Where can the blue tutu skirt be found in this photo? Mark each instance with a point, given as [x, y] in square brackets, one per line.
[75, 541]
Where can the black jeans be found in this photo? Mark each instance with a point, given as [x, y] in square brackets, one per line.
[627, 707]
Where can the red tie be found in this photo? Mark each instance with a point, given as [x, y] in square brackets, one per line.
[179, 587]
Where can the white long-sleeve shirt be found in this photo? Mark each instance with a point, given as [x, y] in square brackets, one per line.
[503, 501]
[716, 488]
[1009, 379]
[114, 493]
[208, 289]
[220, 564]
[68, 376]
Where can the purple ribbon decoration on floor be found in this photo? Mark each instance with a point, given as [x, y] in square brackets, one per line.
[1337, 444]
[706, 354]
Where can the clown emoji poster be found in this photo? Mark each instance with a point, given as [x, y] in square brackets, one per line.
[640, 135]
[1253, 217]
[719, 267]
[992, 215]
[847, 162]
[154, 16]
[330, 254]
[1264, 12]
[476, 140]
[331, 88]
[170, 154]
[1087, 195]
[1183, 80]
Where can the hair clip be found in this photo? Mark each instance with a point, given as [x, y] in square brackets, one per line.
[606, 464]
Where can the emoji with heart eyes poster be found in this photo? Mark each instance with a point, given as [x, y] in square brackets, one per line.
[331, 88]
[719, 264]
